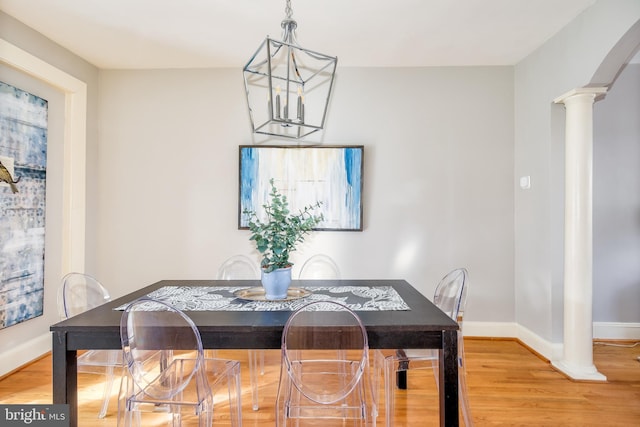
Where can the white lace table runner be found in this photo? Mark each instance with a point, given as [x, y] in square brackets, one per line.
[222, 298]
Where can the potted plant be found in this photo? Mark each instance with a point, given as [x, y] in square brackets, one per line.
[276, 236]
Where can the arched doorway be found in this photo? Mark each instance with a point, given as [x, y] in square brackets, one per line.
[577, 360]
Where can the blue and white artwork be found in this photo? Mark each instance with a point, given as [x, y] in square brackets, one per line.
[331, 175]
[23, 153]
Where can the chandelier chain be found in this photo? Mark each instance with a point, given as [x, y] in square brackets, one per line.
[288, 10]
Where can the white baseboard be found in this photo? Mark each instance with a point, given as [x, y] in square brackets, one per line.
[545, 348]
[548, 349]
[24, 353]
[490, 329]
[616, 331]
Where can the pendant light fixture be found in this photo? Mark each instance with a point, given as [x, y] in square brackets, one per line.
[287, 86]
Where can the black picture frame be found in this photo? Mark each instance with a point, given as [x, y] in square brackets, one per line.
[331, 174]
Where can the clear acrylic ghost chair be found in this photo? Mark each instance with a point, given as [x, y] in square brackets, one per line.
[167, 373]
[319, 267]
[78, 293]
[317, 382]
[241, 267]
[450, 296]
[238, 267]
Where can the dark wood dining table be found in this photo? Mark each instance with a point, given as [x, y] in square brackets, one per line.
[423, 325]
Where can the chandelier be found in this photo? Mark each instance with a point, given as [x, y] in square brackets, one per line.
[287, 86]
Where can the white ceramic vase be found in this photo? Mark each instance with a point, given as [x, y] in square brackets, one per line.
[276, 283]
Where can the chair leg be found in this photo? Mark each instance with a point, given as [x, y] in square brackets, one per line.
[389, 387]
[106, 393]
[122, 400]
[176, 418]
[125, 412]
[256, 357]
[403, 366]
[435, 366]
[282, 396]
[235, 396]
[464, 402]
[401, 379]
[205, 418]
[463, 395]
[462, 386]
[375, 378]
[397, 369]
[371, 391]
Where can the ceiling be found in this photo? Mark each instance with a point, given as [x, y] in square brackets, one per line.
[134, 34]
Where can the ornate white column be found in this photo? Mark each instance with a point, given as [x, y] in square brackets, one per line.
[577, 361]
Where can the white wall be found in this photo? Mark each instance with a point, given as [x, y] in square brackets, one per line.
[15, 336]
[566, 61]
[440, 175]
[616, 202]
[437, 185]
[25, 341]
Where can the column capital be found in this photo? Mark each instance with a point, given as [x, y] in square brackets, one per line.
[595, 91]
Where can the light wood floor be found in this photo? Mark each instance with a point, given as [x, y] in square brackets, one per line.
[508, 386]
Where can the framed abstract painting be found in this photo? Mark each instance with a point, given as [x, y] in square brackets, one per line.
[331, 175]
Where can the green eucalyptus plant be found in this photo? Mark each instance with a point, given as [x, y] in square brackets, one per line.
[277, 236]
